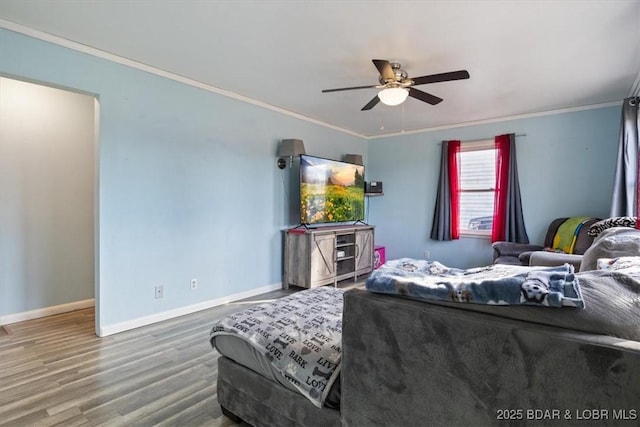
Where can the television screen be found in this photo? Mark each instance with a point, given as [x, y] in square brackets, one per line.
[330, 191]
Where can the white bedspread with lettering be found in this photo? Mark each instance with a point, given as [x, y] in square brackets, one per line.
[301, 335]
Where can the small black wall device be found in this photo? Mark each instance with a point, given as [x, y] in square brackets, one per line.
[373, 187]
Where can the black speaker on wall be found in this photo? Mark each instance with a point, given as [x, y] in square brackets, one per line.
[373, 187]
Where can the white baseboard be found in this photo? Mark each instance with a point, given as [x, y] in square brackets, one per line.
[47, 311]
[170, 314]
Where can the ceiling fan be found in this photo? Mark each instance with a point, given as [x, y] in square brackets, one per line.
[396, 85]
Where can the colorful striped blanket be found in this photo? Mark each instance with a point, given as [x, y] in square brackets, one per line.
[567, 234]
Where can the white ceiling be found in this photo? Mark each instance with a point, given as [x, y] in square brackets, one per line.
[524, 57]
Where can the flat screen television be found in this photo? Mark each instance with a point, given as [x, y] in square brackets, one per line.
[330, 191]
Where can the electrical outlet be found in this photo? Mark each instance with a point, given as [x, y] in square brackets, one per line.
[159, 291]
[194, 284]
[427, 254]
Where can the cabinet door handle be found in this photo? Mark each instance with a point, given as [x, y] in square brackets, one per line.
[357, 250]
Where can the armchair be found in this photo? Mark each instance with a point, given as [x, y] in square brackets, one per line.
[527, 254]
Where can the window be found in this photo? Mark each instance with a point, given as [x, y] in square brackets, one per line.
[466, 190]
[477, 180]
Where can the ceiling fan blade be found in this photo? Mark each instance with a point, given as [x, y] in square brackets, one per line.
[384, 67]
[442, 77]
[424, 96]
[347, 88]
[371, 103]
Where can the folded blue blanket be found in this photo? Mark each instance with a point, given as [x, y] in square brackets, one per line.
[497, 284]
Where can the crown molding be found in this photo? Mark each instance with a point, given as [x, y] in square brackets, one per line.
[79, 47]
[498, 119]
[60, 41]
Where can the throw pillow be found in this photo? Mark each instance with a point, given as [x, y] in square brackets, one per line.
[620, 221]
[621, 263]
[611, 243]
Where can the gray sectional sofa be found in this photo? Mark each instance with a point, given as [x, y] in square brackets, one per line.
[414, 363]
[409, 363]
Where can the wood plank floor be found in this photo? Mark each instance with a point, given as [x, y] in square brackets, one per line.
[56, 371]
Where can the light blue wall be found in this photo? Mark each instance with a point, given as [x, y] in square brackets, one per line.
[188, 184]
[566, 164]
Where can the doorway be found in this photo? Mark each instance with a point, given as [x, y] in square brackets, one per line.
[48, 200]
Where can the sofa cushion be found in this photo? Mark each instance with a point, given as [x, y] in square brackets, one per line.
[619, 221]
[611, 243]
[550, 259]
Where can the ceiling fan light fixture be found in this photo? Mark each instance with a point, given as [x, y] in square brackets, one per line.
[393, 95]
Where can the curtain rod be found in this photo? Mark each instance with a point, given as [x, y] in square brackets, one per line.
[485, 139]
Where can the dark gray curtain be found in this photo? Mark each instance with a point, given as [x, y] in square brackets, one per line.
[441, 227]
[514, 222]
[625, 192]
